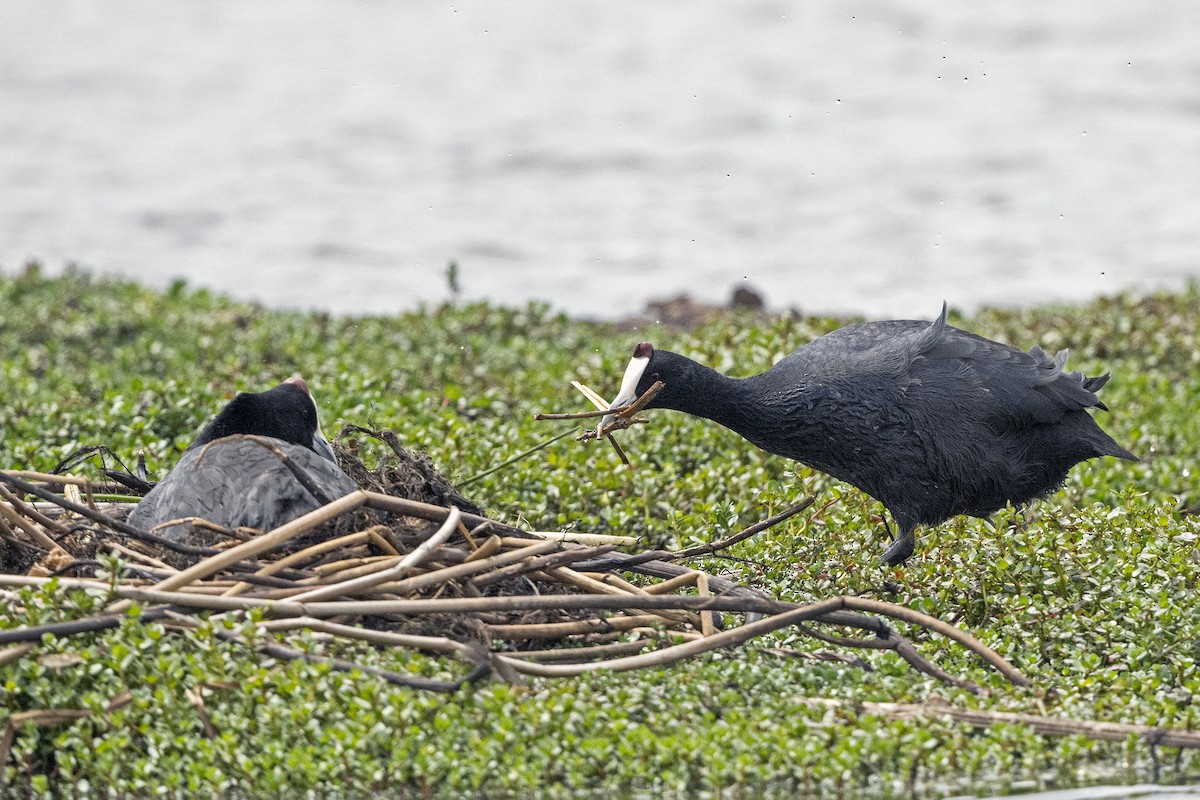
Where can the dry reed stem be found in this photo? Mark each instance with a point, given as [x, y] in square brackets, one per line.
[16, 520]
[490, 547]
[454, 605]
[31, 512]
[551, 630]
[602, 406]
[464, 570]
[75, 494]
[671, 584]
[301, 557]
[322, 573]
[427, 511]
[413, 559]
[140, 557]
[632, 561]
[585, 538]
[10, 654]
[356, 565]
[437, 644]
[573, 578]
[623, 417]
[585, 653]
[678, 652]
[706, 617]
[384, 587]
[539, 563]
[421, 553]
[376, 535]
[945, 629]
[45, 477]
[515, 541]
[589, 583]
[560, 630]
[597, 400]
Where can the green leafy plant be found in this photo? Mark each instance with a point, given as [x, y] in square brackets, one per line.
[1091, 592]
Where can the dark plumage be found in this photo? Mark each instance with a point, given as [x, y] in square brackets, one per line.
[239, 482]
[930, 420]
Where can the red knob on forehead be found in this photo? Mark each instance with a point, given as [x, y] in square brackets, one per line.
[643, 350]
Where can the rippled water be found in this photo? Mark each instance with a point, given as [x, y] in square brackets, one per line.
[866, 155]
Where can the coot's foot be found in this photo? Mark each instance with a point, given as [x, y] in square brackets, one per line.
[901, 549]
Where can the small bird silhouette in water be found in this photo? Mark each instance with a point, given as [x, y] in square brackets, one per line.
[930, 420]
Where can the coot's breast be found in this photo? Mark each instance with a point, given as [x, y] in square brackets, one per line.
[237, 482]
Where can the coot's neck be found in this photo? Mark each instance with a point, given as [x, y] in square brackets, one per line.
[759, 408]
[703, 392]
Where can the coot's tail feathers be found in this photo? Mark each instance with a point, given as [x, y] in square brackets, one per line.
[1095, 384]
[1115, 449]
[1107, 446]
[1068, 390]
[1104, 445]
[1078, 391]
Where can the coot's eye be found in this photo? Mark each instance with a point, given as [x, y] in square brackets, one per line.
[655, 376]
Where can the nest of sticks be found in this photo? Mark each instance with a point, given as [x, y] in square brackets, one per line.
[407, 562]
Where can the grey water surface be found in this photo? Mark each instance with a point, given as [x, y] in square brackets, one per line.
[873, 156]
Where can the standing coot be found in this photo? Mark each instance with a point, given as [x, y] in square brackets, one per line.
[239, 482]
[930, 420]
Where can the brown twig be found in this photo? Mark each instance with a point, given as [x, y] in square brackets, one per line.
[31, 530]
[347, 580]
[31, 512]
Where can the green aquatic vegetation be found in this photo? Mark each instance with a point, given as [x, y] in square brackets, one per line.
[1090, 592]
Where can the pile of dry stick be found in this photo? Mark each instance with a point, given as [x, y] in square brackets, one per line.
[399, 572]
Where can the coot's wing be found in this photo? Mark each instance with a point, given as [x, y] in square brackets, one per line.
[192, 488]
[237, 482]
[276, 496]
[1001, 382]
[934, 363]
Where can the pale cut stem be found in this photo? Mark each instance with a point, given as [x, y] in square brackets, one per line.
[420, 554]
[299, 557]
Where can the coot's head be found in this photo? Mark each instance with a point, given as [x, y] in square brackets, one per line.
[286, 412]
[643, 371]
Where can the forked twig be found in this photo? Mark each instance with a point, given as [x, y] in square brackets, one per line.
[623, 416]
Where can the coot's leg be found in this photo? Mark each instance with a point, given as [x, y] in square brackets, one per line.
[902, 548]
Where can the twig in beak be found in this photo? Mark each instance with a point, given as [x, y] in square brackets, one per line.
[577, 414]
[622, 416]
[598, 401]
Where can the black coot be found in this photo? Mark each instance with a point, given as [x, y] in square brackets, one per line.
[238, 482]
[930, 420]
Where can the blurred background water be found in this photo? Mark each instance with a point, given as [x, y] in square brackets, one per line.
[872, 156]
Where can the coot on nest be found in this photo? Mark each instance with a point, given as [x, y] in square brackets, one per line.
[239, 482]
[930, 420]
